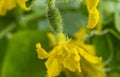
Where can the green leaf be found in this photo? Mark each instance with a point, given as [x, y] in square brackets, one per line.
[21, 58]
[68, 4]
[115, 64]
[108, 47]
[73, 21]
[114, 74]
[102, 48]
[117, 20]
[3, 47]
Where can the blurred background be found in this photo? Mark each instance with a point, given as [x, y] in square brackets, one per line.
[21, 30]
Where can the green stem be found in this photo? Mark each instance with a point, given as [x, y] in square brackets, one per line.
[7, 29]
[54, 17]
[51, 4]
[113, 32]
[100, 26]
[24, 20]
[110, 49]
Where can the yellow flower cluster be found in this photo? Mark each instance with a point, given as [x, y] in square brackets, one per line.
[65, 55]
[10, 4]
[93, 13]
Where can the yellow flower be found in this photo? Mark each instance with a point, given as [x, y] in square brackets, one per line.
[88, 70]
[93, 13]
[65, 56]
[10, 4]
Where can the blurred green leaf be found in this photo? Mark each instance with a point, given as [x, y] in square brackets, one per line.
[68, 4]
[39, 6]
[115, 64]
[104, 48]
[114, 74]
[9, 28]
[73, 21]
[101, 45]
[117, 20]
[21, 58]
[3, 47]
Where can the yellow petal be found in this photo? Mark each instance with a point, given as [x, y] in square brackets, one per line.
[92, 4]
[22, 4]
[71, 64]
[6, 5]
[90, 58]
[51, 38]
[88, 47]
[93, 18]
[41, 52]
[98, 70]
[80, 34]
[71, 61]
[93, 13]
[10, 4]
[53, 67]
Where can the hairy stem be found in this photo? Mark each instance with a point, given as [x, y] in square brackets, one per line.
[54, 17]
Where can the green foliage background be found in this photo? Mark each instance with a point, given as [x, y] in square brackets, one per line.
[20, 31]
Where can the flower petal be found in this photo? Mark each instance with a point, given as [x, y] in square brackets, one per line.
[5, 6]
[22, 4]
[88, 47]
[80, 34]
[93, 18]
[90, 58]
[92, 4]
[93, 13]
[51, 38]
[10, 4]
[71, 64]
[41, 52]
[53, 67]
[71, 61]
